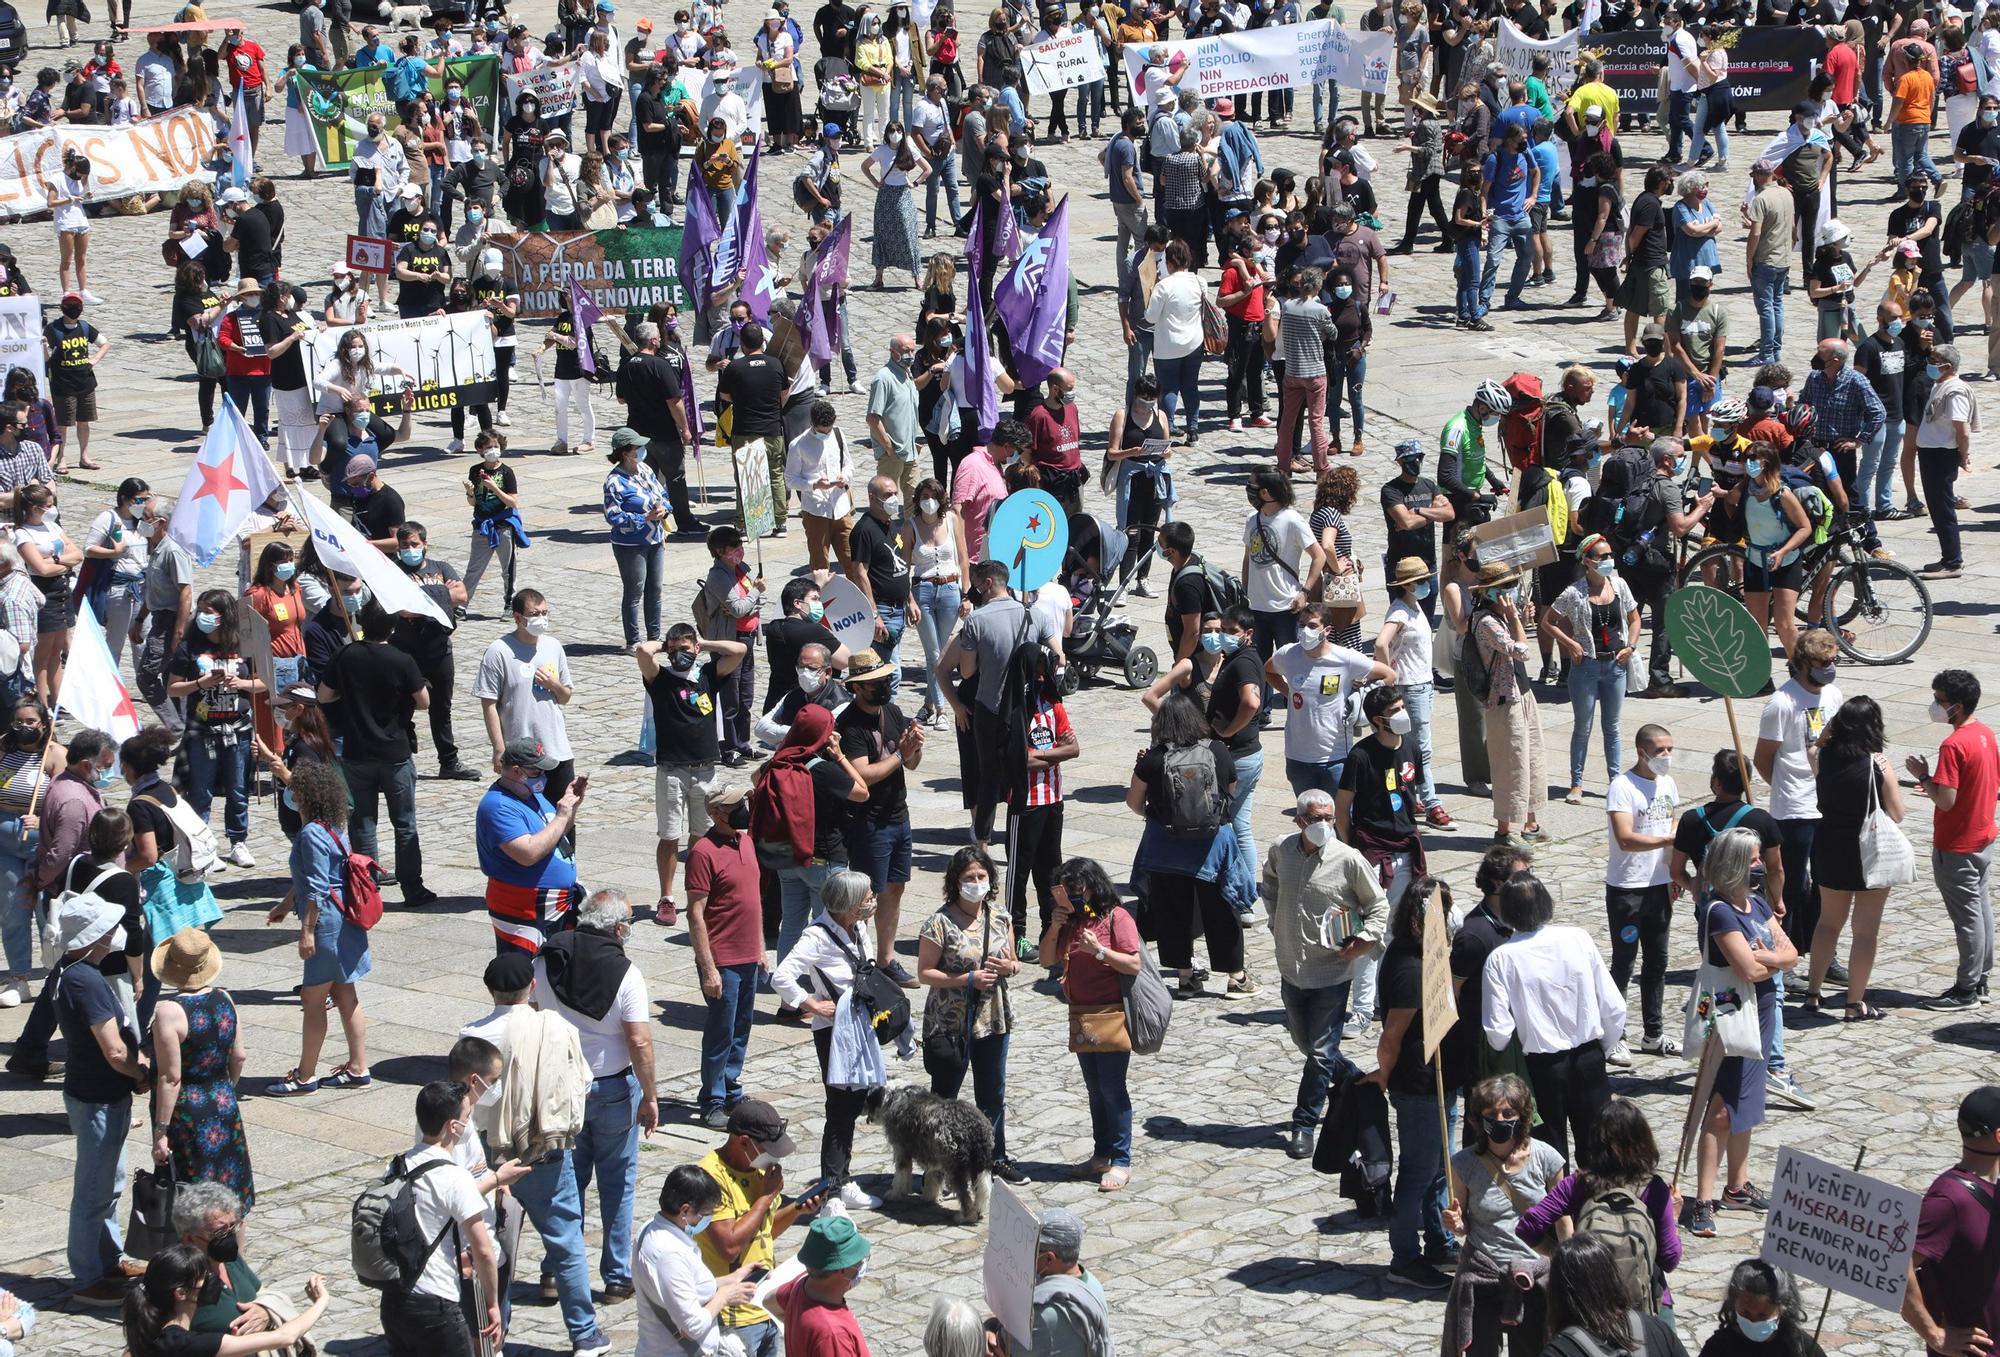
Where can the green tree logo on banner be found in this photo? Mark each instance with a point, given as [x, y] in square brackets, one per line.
[1719, 641]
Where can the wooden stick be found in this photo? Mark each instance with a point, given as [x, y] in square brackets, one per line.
[1444, 1130]
[1749, 780]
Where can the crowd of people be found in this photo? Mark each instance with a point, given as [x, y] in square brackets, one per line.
[1529, 1194]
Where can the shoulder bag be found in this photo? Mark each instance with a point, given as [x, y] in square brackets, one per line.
[1886, 856]
[1721, 1005]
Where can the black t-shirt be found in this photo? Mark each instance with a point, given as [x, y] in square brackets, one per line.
[148, 818]
[485, 503]
[1477, 937]
[486, 290]
[684, 713]
[1700, 824]
[288, 369]
[84, 999]
[377, 684]
[1400, 982]
[1836, 272]
[1420, 541]
[650, 386]
[1907, 220]
[755, 387]
[70, 343]
[256, 240]
[1656, 385]
[1384, 783]
[883, 549]
[121, 888]
[1225, 698]
[80, 101]
[1881, 362]
[1647, 212]
[405, 226]
[380, 514]
[1980, 140]
[783, 640]
[174, 1341]
[831, 784]
[652, 108]
[1187, 593]
[569, 362]
[425, 638]
[219, 708]
[435, 264]
[867, 738]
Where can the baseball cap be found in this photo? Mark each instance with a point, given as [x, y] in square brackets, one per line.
[1653, 330]
[757, 1119]
[233, 195]
[830, 130]
[1594, 113]
[341, 268]
[359, 468]
[1701, 273]
[527, 752]
[1979, 1113]
[1762, 398]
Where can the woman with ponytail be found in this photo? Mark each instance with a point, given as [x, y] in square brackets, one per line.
[159, 1309]
[50, 561]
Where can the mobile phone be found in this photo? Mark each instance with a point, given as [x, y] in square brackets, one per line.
[583, 784]
[757, 1274]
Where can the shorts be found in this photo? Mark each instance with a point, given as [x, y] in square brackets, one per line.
[882, 851]
[1761, 579]
[680, 799]
[73, 410]
[1645, 291]
[1977, 260]
[1538, 219]
[1697, 403]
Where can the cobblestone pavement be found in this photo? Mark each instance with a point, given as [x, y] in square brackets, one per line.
[1219, 1237]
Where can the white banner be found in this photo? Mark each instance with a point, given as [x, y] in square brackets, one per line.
[151, 156]
[1842, 1229]
[554, 87]
[747, 83]
[1517, 52]
[21, 338]
[1008, 1264]
[1273, 58]
[1063, 63]
[346, 551]
[443, 359]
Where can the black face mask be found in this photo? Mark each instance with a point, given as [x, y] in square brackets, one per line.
[1502, 1132]
[224, 1248]
[1699, 292]
[874, 694]
[1655, 347]
[739, 815]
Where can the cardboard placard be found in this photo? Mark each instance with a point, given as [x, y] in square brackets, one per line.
[757, 515]
[1521, 540]
[1440, 1004]
[1008, 1267]
[367, 254]
[1840, 1228]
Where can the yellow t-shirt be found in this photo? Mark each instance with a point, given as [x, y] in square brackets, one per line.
[1595, 94]
[739, 1190]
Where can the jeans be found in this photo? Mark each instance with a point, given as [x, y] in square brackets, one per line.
[798, 893]
[1362, 996]
[1678, 124]
[1801, 891]
[223, 759]
[1641, 921]
[759, 1340]
[1910, 151]
[95, 1240]
[1508, 233]
[1421, 1188]
[725, 1036]
[902, 98]
[18, 849]
[1138, 360]
[554, 1204]
[1110, 1104]
[1595, 683]
[607, 1148]
[1703, 126]
[1466, 268]
[1303, 775]
[252, 398]
[1329, 92]
[1768, 285]
[1246, 368]
[371, 213]
[1348, 377]
[1418, 700]
[395, 783]
[1180, 387]
[1249, 771]
[937, 614]
[894, 620]
[1937, 469]
[1090, 97]
[1313, 1018]
[988, 1067]
[419, 1325]
[1964, 882]
[944, 173]
[1875, 487]
[640, 568]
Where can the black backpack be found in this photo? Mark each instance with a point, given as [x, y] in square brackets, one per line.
[1474, 672]
[1626, 510]
[880, 997]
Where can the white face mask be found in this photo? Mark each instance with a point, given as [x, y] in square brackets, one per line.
[1310, 637]
[1659, 765]
[1940, 713]
[1399, 722]
[972, 892]
[810, 681]
[928, 505]
[489, 1097]
[538, 626]
[1319, 833]
[764, 1160]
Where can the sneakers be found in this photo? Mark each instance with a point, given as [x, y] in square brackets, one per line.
[1355, 1028]
[1009, 1172]
[899, 973]
[456, 445]
[1619, 1057]
[1745, 1198]
[1951, 1000]
[91, 298]
[1262, 422]
[239, 855]
[1660, 1045]
[501, 419]
[1026, 951]
[1236, 426]
[855, 1199]
[715, 1119]
[1700, 1220]
[1939, 570]
[1779, 1084]
[1416, 1272]
[1479, 789]
[11, 993]
[666, 913]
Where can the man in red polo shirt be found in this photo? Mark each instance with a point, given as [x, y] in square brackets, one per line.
[1962, 792]
[1056, 441]
[244, 60]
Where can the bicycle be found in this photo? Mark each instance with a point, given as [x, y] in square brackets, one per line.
[1879, 611]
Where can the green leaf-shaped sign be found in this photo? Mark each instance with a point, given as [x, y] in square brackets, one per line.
[1719, 641]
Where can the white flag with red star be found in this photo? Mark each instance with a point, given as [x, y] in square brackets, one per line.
[91, 690]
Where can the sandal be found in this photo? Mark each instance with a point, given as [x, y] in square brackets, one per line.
[1811, 1003]
[1864, 1012]
[343, 1077]
[1574, 797]
[1088, 1169]
[291, 1086]
[1114, 1179]
[1241, 986]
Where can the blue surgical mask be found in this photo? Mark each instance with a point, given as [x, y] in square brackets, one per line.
[538, 783]
[208, 621]
[479, 157]
[1753, 468]
[1423, 589]
[1231, 642]
[411, 555]
[428, 237]
[1933, 371]
[474, 216]
[1211, 641]
[1893, 328]
[359, 599]
[1757, 1330]
[284, 570]
[107, 776]
[814, 612]
[1343, 292]
[701, 1224]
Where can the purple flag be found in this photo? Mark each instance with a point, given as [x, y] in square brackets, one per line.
[587, 315]
[1031, 301]
[819, 313]
[689, 400]
[979, 363]
[760, 274]
[697, 237]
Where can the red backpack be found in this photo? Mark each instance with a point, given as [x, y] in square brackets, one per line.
[1521, 427]
[359, 896]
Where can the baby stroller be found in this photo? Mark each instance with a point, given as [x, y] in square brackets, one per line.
[839, 98]
[1100, 637]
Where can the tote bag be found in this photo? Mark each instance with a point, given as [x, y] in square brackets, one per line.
[1886, 856]
[1720, 1004]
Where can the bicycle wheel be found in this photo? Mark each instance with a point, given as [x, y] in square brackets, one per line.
[1719, 565]
[1879, 611]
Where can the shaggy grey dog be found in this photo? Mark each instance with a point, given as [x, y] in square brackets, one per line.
[951, 1141]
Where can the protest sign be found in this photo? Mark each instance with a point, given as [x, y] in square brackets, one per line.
[337, 103]
[1440, 1004]
[755, 513]
[1009, 1264]
[1517, 52]
[622, 269]
[1718, 640]
[1840, 1228]
[370, 254]
[554, 88]
[438, 362]
[1276, 58]
[1029, 535]
[747, 82]
[849, 615]
[1522, 540]
[1063, 63]
[153, 155]
[1769, 67]
[21, 338]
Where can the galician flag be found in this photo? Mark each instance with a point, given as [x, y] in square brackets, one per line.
[91, 690]
[240, 154]
[1031, 301]
[230, 477]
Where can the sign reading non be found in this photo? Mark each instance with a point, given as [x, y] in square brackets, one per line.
[1009, 1264]
[1840, 1228]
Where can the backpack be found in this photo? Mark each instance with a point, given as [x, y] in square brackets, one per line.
[387, 1247]
[358, 897]
[876, 991]
[1622, 470]
[1818, 507]
[195, 854]
[1149, 1005]
[1521, 426]
[1191, 791]
[1225, 591]
[1474, 672]
[1621, 1222]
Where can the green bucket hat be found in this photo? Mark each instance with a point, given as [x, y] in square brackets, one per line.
[833, 1243]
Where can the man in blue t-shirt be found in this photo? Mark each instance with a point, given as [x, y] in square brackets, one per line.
[1509, 180]
[531, 885]
[1542, 150]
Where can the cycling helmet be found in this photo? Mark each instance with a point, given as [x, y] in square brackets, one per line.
[1801, 419]
[1493, 396]
[1727, 411]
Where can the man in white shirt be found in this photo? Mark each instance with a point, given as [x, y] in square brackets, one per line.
[1316, 678]
[1281, 560]
[1548, 986]
[585, 977]
[426, 1320]
[523, 684]
[721, 99]
[1786, 757]
[1683, 69]
[680, 1300]
[819, 471]
[1642, 806]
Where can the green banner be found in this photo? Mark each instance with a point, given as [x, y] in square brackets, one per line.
[337, 103]
[624, 270]
[1719, 641]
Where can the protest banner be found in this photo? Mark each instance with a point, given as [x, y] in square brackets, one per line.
[1522, 540]
[154, 155]
[21, 338]
[1769, 68]
[438, 362]
[756, 514]
[623, 270]
[337, 103]
[554, 88]
[1840, 1228]
[1063, 63]
[370, 254]
[1276, 58]
[1008, 1267]
[747, 82]
[1517, 52]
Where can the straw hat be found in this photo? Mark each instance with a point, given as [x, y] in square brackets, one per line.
[1409, 570]
[1497, 575]
[188, 960]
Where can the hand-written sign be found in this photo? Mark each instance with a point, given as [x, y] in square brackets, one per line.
[1440, 1004]
[1009, 1265]
[757, 516]
[1840, 1228]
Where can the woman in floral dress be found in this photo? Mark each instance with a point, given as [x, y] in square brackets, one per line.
[197, 1056]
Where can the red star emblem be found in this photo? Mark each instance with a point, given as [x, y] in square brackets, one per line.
[1034, 522]
[218, 482]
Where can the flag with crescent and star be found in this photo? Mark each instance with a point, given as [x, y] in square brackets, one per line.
[230, 477]
[1031, 300]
